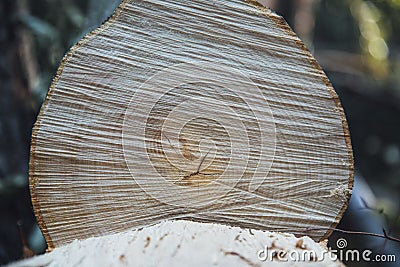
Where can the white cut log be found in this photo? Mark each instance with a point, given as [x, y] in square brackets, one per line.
[212, 111]
[184, 243]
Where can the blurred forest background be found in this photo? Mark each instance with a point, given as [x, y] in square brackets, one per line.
[357, 42]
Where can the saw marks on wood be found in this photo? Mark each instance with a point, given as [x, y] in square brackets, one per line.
[203, 110]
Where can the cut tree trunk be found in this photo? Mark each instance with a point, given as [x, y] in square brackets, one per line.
[184, 243]
[211, 111]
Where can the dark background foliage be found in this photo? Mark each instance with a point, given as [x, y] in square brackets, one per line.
[357, 42]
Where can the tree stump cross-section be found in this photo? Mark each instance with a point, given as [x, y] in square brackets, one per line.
[212, 111]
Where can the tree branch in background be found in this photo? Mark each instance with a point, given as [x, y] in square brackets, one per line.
[384, 235]
[26, 49]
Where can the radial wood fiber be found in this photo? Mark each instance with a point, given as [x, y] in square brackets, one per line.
[205, 110]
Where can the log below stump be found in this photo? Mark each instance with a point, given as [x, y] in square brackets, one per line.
[185, 243]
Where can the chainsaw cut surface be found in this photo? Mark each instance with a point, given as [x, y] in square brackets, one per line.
[205, 110]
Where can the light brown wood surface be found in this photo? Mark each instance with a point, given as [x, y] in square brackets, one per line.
[205, 110]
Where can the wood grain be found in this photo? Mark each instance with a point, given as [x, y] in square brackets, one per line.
[205, 110]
